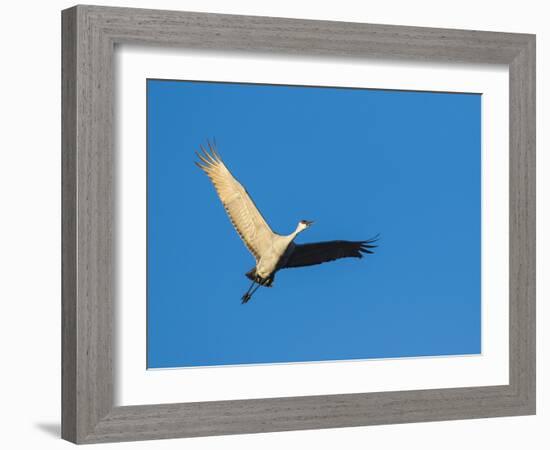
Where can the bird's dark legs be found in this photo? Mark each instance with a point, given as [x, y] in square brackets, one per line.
[267, 282]
[254, 290]
[248, 294]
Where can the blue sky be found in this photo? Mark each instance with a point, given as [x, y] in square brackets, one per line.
[358, 162]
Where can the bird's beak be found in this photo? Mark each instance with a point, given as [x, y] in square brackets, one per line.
[309, 222]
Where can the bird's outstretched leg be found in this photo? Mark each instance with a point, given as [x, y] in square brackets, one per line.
[248, 295]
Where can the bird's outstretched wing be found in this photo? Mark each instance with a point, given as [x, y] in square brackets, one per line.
[243, 213]
[321, 252]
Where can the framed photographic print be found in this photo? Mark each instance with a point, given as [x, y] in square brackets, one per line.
[279, 224]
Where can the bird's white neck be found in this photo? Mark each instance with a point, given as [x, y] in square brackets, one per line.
[301, 227]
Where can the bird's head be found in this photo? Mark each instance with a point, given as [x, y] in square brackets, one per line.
[303, 224]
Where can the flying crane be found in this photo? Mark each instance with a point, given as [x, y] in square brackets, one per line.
[272, 251]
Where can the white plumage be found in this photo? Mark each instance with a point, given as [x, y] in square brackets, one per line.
[243, 213]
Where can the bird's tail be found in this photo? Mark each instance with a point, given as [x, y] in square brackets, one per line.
[251, 274]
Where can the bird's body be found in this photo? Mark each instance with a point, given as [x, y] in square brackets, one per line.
[272, 251]
[268, 264]
[275, 255]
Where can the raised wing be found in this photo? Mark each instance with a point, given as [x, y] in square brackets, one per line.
[321, 252]
[243, 213]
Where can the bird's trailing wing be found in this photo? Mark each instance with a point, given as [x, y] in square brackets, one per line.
[321, 252]
[243, 213]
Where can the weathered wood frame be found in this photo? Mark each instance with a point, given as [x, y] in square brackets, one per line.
[89, 36]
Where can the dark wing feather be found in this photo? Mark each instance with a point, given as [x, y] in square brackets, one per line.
[321, 252]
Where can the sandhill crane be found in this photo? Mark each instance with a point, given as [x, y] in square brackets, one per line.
[272, 251]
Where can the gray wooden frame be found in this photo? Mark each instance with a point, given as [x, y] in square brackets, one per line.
[89, 36]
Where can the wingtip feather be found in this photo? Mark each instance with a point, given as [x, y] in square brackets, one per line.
[200, 166]
[216, 154]
[207, 163]
[366, 247]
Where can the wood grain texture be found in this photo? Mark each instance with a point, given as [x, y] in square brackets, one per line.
[68, 225]
[89, 36]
